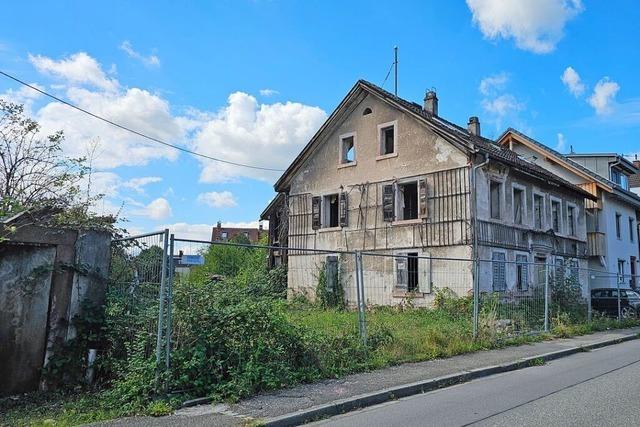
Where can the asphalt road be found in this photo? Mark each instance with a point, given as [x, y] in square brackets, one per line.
[597, 388]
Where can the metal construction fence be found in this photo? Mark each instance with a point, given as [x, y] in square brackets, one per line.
[503, 298]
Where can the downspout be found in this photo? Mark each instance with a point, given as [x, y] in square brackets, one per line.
[474, 222]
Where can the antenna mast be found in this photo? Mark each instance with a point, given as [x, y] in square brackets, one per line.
[395, 67]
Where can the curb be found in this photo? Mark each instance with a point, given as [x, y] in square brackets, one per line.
[375, 398]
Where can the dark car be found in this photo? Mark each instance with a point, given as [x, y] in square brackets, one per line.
[606, 301]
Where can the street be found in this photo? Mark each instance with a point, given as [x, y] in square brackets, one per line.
[600, 387]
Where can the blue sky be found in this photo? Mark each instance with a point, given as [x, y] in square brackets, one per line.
[251, 81]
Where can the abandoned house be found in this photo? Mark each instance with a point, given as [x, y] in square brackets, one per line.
[612, 219]
[387, 176]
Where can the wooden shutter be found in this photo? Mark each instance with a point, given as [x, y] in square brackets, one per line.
[344, 210]
[422, 197]
[388, 202]
[402, 273]
[331, 272]
[424, 274]
[316, 211]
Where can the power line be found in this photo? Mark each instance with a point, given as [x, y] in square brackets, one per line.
[125, 128]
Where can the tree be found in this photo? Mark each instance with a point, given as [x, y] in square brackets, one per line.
[33, 168]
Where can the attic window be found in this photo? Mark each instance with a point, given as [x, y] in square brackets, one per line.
[387, 140]
[347, 148]
[367, 111]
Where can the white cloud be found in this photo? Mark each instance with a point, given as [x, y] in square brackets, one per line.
[534, 25]
[268, 92]
[604, 95]
[224, 199]
[183, 230]
[502, 107]
[489, 85]
[572, 81]
[158, 209]
[22, 95]
[268, 135]
[76, 69]
[562, 143]
[149, 60]
[138, 184]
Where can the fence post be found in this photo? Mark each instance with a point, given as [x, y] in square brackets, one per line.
[362, 325]
[476, 298]
[169, 303]
[161, 296]
[546, 297]
[618, 288]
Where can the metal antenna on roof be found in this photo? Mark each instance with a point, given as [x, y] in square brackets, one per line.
[395, 66]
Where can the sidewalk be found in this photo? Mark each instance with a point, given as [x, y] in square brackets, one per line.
[329, 397]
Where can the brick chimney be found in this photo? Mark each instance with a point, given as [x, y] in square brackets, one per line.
[431, 102]
[474, 126]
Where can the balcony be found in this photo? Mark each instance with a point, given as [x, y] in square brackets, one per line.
[596, 244]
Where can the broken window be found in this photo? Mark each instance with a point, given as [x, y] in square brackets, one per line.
[387, 140]
[347, 149]
[331, 211]
[408, 200]
[537, 211]
[522, 273]
[494, 191]
[571, 220]
[499, 268]
[555, 216]
[408, 266]
[518, 205]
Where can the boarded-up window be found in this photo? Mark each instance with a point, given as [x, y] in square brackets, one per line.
[494, 193]
[344, 210]
[522, 273]
[422, 193]
[402, 274]
[499, 268]
[316, 203]
[537, 211]
[518, 205]
[388, 202]
[555, 216]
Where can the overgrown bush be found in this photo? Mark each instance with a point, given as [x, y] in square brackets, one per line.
[329, 295]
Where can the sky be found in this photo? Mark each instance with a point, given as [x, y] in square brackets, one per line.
[250, 81]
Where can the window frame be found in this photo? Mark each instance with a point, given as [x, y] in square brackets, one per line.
[543, 216]
[632, 234]
[424, 267]
[325, 212]
[553, 200]
[618, 225]
[523, 203]
[341, 153]
[572, 225]
[380, 128]
[527, 273]
[398, 208]
[500, 183]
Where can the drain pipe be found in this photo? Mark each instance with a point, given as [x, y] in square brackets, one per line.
[474, 221]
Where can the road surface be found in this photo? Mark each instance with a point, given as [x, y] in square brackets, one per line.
[596, 388]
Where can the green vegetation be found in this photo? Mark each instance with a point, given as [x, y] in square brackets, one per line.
[236, 335]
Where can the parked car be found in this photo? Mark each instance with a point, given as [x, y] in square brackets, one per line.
[606, 301]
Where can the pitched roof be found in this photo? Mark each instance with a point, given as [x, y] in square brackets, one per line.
[596, 177]
[451, 132]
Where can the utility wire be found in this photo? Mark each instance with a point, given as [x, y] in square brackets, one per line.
[125, 128]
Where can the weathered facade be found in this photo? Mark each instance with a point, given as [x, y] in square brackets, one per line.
[611, 219]
[384, 175]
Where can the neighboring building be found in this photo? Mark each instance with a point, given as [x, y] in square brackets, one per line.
[390, 176]
[225, 234]
[634, 180]
[612, 220]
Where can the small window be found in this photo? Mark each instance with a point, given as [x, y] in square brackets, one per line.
[495, 190]
[620, 178]
[499, 268]
[631, 229]
[408, 200]
[522, 273]
[555, 216]
[224, 235]
[571, 220]
[347, 149]
[538, 210]
[412, 271]
[518, 205]
[618, 226]
[331, 211]
[387, 140]
[366, 111]
[621, 271]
